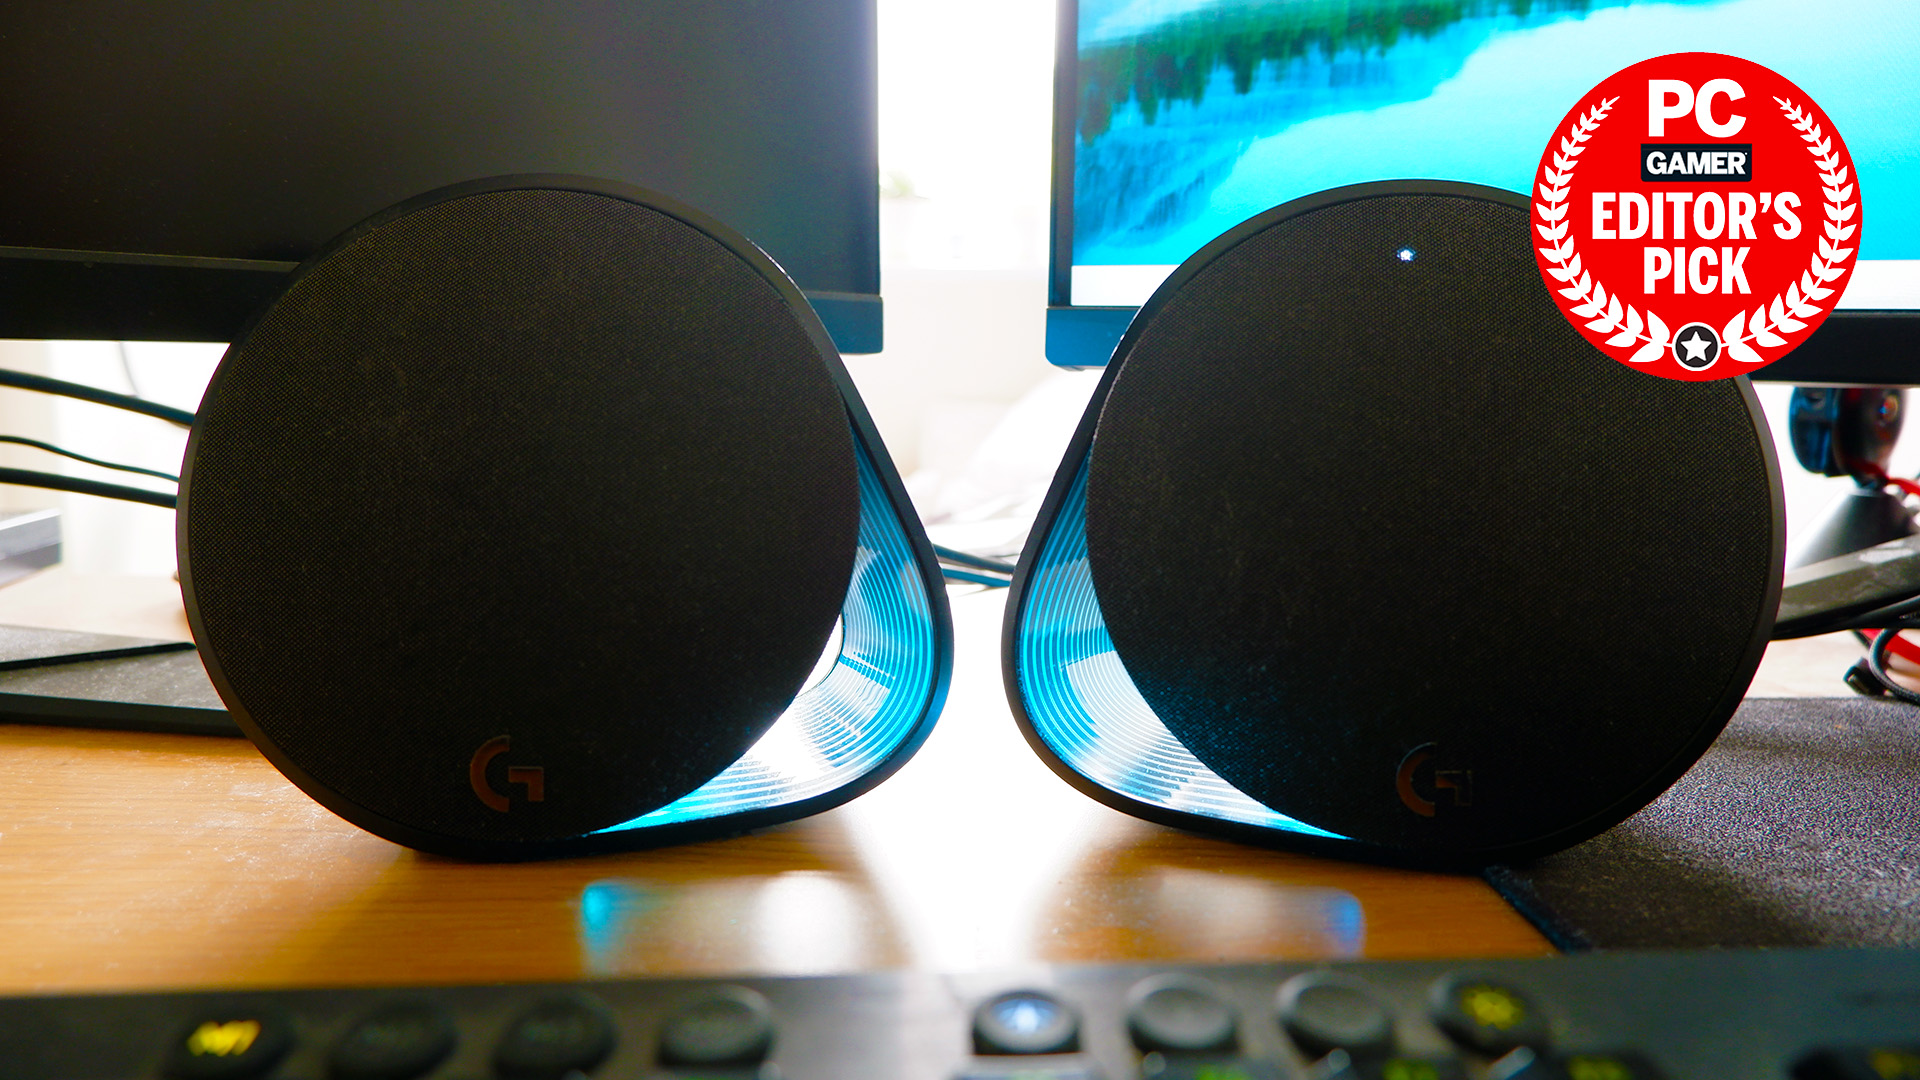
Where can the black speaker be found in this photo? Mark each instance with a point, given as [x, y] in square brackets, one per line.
[538, 515]
[1360, 547]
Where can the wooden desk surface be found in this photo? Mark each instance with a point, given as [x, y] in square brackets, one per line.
[134, 861]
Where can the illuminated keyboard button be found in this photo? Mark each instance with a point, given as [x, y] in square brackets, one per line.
[1179, 1014]
[557, 1036]
[1524, 1064]
[398, 1042]
[232, 1045]
[1339, 1065]
[1325, 1011]
[1025, 1022]
[731, 1026]
[1860, 1063]
[1026, 1071]
[1489, 1017]
[1190, 1067]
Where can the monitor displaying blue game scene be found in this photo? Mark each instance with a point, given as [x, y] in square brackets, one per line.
[1182, 118]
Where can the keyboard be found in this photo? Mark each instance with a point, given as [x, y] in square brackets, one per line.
[1735, 1015]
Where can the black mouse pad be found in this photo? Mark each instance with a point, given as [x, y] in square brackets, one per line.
[33, 646]
[1801, 826]
[77, 679]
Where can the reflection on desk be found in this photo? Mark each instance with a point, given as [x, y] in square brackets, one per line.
[146, 861]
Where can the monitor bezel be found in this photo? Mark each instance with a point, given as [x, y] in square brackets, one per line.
[128, 287]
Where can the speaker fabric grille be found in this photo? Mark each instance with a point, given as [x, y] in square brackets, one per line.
[1343, 509]
[536, 463]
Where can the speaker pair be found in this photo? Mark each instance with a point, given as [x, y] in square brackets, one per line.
[539, 515]
[1361, 548]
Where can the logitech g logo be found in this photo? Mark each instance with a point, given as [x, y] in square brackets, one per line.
[532, 777]
[1453, 786]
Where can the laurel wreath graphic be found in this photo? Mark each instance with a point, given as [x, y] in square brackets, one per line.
[1784, 313]
[1606, 312]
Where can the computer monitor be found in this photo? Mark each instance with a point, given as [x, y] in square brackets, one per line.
[1177, 119]
[163, 166]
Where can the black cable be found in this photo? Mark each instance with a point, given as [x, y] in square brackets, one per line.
[29, 478]
[1866, 620]
[1877, 663]
[972, 578]
[44, 385]
[964, 558]
[38, 445]
[1899, 609]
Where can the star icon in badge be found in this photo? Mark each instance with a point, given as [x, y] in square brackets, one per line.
[1696, 346]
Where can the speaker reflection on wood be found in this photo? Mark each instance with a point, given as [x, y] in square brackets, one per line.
[1360, 547]
[538, 515]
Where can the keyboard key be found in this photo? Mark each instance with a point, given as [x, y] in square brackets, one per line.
[1025, 1022]
[1524, 1064]
[229, 1045]
[1485, 1016]
[1860, 1063]
[731, 1026]
[556, 1036]
[397, 1042]
[1201, 1067]
[1339, 1065]
[1324, 1012]
[1181, 1014]
[1030, 1071]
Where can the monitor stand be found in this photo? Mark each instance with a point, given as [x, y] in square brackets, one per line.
[1866, 516]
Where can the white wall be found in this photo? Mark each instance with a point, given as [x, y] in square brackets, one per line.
[30, 415]
[101, 536]
[966, 100]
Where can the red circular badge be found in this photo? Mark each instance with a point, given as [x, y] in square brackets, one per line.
[1697, 216]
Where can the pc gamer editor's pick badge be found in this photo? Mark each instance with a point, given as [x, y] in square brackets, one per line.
[1696, 216]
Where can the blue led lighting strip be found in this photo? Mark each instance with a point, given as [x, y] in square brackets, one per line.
[871, 701]
[1085, 707]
